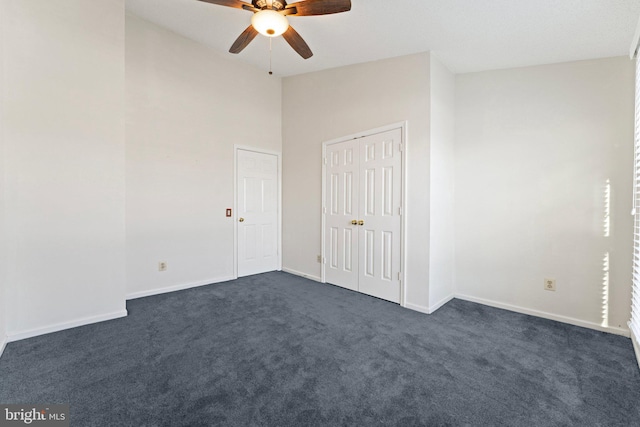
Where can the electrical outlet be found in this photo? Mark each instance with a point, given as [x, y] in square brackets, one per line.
[550, 284]
[162, 266]
[319, 258]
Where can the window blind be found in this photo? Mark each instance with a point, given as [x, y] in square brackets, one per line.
[634, 324]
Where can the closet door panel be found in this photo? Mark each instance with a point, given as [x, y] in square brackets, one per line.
[380, 201]
[341, 204]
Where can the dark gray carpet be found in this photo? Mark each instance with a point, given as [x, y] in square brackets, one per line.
[279, 350]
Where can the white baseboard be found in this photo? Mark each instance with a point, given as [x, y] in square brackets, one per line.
[545, 315]
[301, 274]
[65, 325]
[636, 345]
[440, 303]
[3, 345]
[158, 291]
[416, 307]
[431, 309]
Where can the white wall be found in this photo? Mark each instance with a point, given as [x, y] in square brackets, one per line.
[330, 104]
[64, 162]
[535, 150]
[186, 108]
[441, 270]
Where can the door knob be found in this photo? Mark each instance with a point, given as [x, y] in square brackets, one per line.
[361, 222]
[354, 222]
[241, 220]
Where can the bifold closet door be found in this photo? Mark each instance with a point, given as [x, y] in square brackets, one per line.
[363, 214]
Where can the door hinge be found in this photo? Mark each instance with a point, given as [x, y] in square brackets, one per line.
[400, 210]
[399, 275]
[401, 147]
[324, 160]
[324, 210]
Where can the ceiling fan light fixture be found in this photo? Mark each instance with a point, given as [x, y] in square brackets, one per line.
[269, 23]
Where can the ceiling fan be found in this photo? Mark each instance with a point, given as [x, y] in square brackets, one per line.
[270, 19]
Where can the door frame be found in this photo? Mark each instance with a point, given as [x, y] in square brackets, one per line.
[234, 216]
[403, 173]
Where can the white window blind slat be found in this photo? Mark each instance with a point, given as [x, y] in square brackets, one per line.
[634, 324]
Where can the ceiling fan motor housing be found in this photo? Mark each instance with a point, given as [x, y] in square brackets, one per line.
[272, 4]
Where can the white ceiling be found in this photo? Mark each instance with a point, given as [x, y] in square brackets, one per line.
[467, 35]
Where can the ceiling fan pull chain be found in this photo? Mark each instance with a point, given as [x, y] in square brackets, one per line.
[270, 55]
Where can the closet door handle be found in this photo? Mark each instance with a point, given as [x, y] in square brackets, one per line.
[361, 222]
[354, 222]
[241, 220]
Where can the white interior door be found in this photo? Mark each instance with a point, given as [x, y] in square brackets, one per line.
[380, 210]
[257, 216]
[363, 214]
[341, 229]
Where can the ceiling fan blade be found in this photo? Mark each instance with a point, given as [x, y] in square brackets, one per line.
[317, 7]
[245, 38]
[297, 43]
[237, 4]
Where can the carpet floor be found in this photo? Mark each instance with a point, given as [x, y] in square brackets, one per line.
[279, 350]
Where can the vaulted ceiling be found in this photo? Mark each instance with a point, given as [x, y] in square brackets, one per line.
[467, 35]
